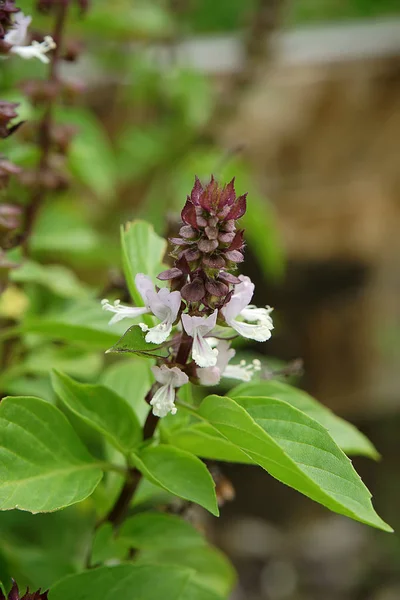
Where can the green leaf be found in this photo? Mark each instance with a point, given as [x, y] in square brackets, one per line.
[43, 464]
[160, 532]
[133, 342]
[347, 437]
[83, 323]
[142, 252]
[131, 379]
[203, 439]
[106, 546]
[144, 582]
[90, 156]
[294, 449]
[180, 473]
[102, 409]
[57, 278]
[212, 568]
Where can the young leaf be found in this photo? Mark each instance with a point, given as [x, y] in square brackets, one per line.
[180, 473]
[144, 582]
[347, 437]
[101, 409]
[142, 252]
[133, 342]
[159, 532]
[43, 464]
[294, 449]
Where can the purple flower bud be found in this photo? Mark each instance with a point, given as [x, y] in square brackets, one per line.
[194, 291]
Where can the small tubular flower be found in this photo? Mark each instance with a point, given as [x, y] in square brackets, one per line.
[211, 375]
[162, 304]
[260, 323]
[16, 37]
[197, 328]
[163, 401]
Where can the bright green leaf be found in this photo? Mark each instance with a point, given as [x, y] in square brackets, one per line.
[347, 437]
[294, 449]
[100, 408]
[43, 464]
[142, 252]
[180, 473]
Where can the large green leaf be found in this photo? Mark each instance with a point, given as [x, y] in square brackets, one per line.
[43, 464]
[180, 473]
[131, 379]
[159, 531]
[142, 252]
[294, 449]
[133, 342]
[347, 437]
[102, 409]
[141, 582]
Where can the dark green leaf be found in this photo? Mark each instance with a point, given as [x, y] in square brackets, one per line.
[100, 408]
[43, 464]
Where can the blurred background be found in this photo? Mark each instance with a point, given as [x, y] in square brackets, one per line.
[300, 100]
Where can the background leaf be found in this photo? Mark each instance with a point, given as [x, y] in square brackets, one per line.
[142, 252]
[146, 582]
[43, 464]
[100, 408]
[131, 379]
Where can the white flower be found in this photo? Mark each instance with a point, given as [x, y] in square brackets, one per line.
[163, 400]
[242, 371]
[260, 325]
[163, 304]
[197, 328]
[17, 38]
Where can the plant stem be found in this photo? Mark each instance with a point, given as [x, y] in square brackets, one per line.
[45, 126]
[119, 511]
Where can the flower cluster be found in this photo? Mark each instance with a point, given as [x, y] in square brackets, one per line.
[15, 39]
[205, 298]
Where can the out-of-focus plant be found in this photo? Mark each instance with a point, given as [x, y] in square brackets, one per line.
[100, 456]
